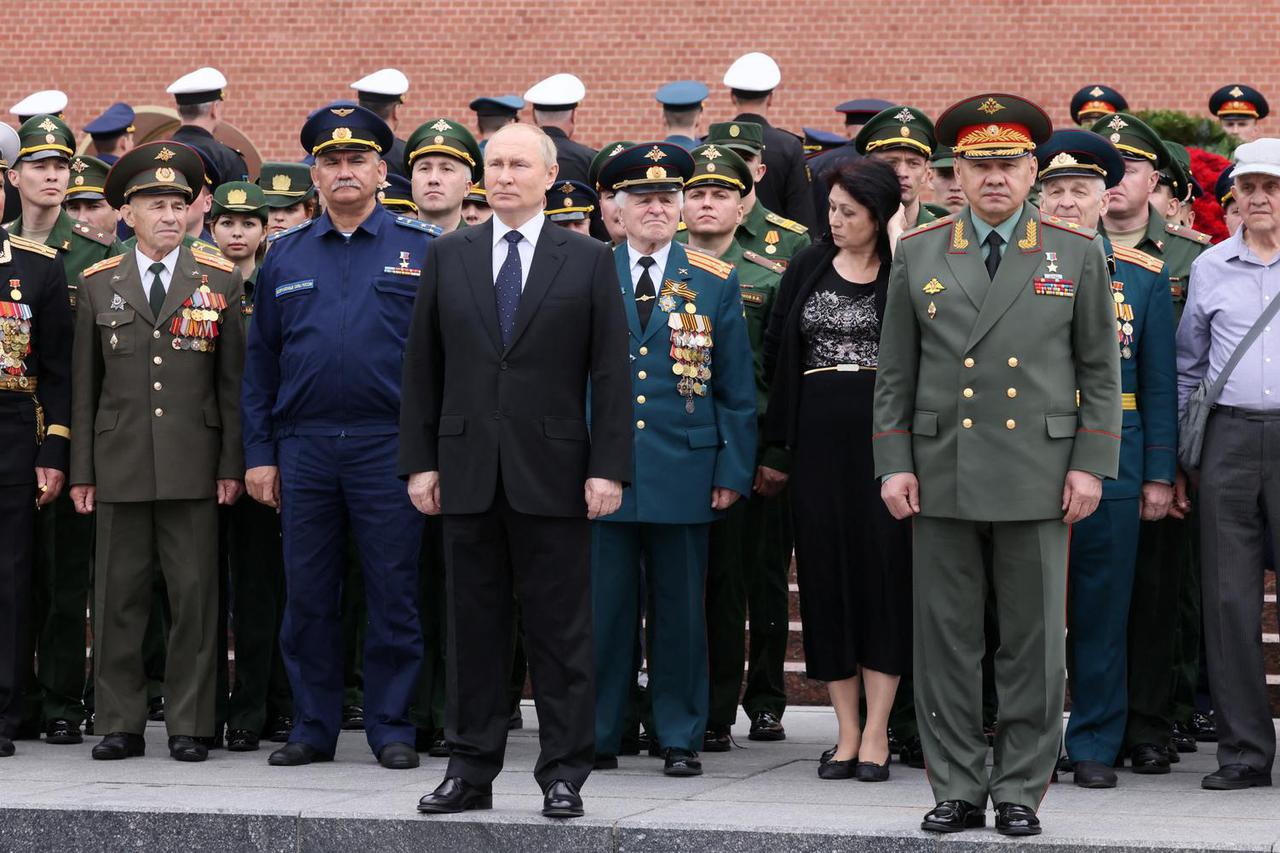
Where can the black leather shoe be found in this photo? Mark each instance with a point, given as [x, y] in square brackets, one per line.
[1233, 777]
[766, 726]
[88, 726]
[716, 739]
[681, 762]
[605, 761]
[398, 756]
[455, 795]
[6, 747]
[187, 748]
[352, 718]
[27, 731]
[867, 771]
[832, 769]
[1203, 727]
[439, 746]
[1183, 740]
[1013, 819]
[1149, 759]
[1066, 765]
[155, 709]
[912, 754]
[561, 800]
[827, 754]
[515, 721]
[1094, 774]
[1171, 752]
[954, 816]
[281, 730]
[213, 742]
[295, 754]
[242, 740]
[62, 731]
[119, 745]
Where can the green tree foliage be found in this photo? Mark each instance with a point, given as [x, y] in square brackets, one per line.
[1191, 131]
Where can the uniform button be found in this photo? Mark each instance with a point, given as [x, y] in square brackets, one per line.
[159, 413]
[156, 334]
[157, 360]
[968, 392]
[644, 350]
[639, 424]
[1013, 361]
[1010, 424]
[968, 362]
[1011, 393]
[502, 366]
[642, 375]
[157, 386]
[640, 399]
[967, 423]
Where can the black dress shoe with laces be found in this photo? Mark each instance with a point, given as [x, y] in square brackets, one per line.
[155, 709]
[681, 762]
[561, 799]
[455, 795]
[1149, 760]
[119, 745]
[717, 739]
[954, 816]
[1013, 819]
[296, 754]
[352, 718]
[1094, 774]
[1182, 739]
[1203, 727]
[439, 746]
[1234, 777]
[242, 740]
[187, 748]
[281, 730]
[766, 726]
[63, 732]
[398, 756]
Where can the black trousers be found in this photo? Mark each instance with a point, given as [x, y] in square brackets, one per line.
[546, 562]
[17, 529]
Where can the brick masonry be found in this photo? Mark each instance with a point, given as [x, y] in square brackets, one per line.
[286, 57]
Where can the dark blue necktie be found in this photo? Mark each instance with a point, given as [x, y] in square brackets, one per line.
[507, 287]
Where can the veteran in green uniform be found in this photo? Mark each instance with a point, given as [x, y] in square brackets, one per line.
[903, 137]
[995, 317]
[1164, 620]
[750, 549]
[64, 556]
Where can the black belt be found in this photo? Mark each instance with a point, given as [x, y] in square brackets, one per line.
[1249, 414]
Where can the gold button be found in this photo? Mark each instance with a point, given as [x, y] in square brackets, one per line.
[1013, 361]
[640, 399]
[968, 392]
[639, 424]
[157, 386]
[157, 360]
[1010, 424]
[159, 413]
[1012, 392]
[644, 350]
[968, 362]
[642, 375]
[156, 334]
[967, 423]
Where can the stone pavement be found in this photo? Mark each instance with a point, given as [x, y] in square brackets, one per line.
[765, 796]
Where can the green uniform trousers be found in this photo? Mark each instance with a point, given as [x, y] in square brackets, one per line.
[1029, 577]
[185, 535]
[427, 711]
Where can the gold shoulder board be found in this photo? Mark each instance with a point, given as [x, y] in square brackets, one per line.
[32, 246]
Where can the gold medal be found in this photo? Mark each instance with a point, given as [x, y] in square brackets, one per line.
[15, 294]
[1118, 297]
[690, 308]
[677, 369]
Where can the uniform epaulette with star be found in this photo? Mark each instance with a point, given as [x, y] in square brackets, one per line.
[1070, 227]
[1187, 233]
[782, 221]
[715, 266]
[93, 234]
[32, 246]
[213, 261]
[767, 263]
[928, 226]
[286, 232]
[419, 225]
[104, 264]
[1136, 257]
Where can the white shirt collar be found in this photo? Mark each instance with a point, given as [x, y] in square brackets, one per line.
[529, 230]
[144, 264]
[660, 261]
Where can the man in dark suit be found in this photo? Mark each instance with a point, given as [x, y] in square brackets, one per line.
[513, 319]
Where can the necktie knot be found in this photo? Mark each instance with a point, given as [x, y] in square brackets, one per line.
[513, 237]
[156, 268]
[647, 262]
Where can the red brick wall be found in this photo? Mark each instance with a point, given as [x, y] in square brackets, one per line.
[285, 57]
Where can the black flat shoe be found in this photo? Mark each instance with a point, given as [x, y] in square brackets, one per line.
[63, 732]
[767, 727]
[867, 771]
[118, 745]
[561, 799]
[605, 761]
[827, 755]
[352, 718]
[398, 756]
[1149, 760]
[455, 795]
[717, 739]
[242, 740]
[1094, 774]
[296, 754]
[6, 747]
[187, 748]
[954, 816]
[1234, 777]
[1013, 819]
[681, 762]
[833, 769]
[281, 730]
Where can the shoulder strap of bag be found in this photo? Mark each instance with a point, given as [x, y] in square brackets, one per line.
[1247, 341]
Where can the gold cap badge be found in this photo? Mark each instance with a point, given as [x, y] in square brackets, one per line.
[165, 175]
[281, 183]
[991, 106]
[655, 173]
[342, 112]
[237, 197]
[165, 155]
[1096, 92]
[734, 131]
[655, 154]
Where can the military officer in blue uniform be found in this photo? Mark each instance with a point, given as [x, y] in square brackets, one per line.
[112, 132]
[321, 406]
[681, 108]
[695, 443]
[1076, 169]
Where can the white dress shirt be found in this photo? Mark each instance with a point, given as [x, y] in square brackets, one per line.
[655, 272]
[530, 231]
[170, 261]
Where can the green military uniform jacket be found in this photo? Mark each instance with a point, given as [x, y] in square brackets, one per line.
[1176, 245]
[80, 246]
[158, 418]
[977, 381]
[769, 235]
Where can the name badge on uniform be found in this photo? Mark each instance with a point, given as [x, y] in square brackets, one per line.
[1054, 286]
[292, 287]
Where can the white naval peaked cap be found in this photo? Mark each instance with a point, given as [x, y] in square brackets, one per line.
[559, 91]
[385, 84]
[9, 146]
[202, 85]
[45, 102]
[1259, 157]
[753, 72]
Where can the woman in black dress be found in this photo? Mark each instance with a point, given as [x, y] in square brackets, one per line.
[853, 559]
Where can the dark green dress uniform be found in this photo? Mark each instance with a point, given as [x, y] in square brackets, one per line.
[976, 395]
[900, 128]
[750, 551]
[695, 429]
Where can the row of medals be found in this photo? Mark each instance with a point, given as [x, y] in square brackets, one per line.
[201, 321]
[15, 333]
[1124, 320]
[691, 351]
